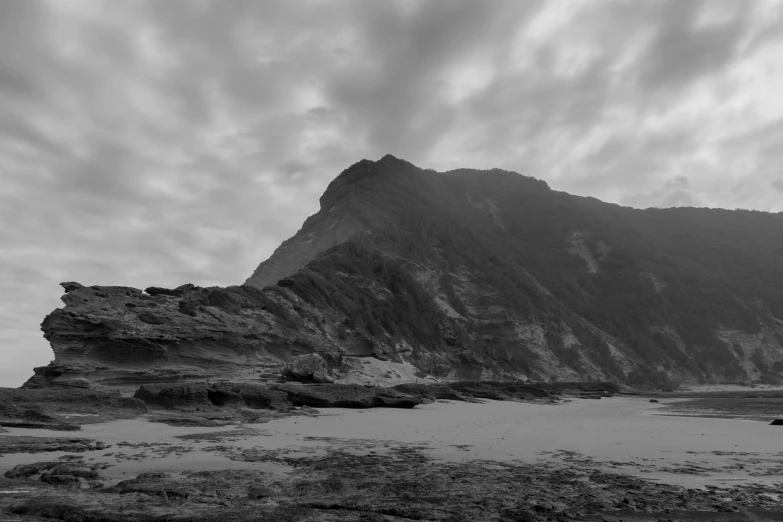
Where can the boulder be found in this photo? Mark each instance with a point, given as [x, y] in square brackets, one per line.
[310, 367]
[776, 422]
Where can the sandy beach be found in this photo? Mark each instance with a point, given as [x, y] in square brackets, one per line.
[622, 434]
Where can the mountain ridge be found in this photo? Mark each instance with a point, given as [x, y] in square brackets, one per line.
[406, 273]
[582, 230]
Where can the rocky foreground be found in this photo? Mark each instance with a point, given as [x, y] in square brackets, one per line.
[350, 480]
[402, 484]
[204, 403]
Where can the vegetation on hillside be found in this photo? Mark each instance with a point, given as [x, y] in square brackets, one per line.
[688, 272]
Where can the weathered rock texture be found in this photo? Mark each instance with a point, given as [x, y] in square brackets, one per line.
[536, 283]
[464, 275]
[309, 367]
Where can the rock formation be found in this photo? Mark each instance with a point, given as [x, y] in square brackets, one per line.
[310, 367]
[409, 274]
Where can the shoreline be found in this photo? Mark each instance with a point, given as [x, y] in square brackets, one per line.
[573, 459]
[620, 434]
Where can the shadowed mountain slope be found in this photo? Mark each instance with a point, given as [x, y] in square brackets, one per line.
[543, 283]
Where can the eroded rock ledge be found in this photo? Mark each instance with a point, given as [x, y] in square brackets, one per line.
[124, 337]
[281, 397]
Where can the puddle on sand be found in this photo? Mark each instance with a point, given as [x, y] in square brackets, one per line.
[138, 446]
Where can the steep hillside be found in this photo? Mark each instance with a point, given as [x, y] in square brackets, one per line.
[409, 274]
[539, 283]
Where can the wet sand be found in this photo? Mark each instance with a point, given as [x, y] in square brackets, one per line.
[621, 434]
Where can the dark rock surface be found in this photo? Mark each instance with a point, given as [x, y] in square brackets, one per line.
[206, 396]
[470, 391]
[60, 408]
[345, 396]
[16, 416]
[70, 473]
[281, 396]
[776, 422]
[174, 396]
[28, 444]
[309, 367]
[401, 484]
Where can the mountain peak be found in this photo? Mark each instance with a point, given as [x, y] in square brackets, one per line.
[467, 275]
[396, 164]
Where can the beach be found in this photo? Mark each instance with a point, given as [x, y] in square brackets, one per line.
[629, 435]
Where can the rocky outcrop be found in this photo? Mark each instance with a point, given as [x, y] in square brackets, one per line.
[120, 336]
[61, 409]
[345, 396]
[25, 444]
[209, 395]
[309, 367]
[468, 391]
[203, 396]
[124, 337]
[14, 415]
[71, 474]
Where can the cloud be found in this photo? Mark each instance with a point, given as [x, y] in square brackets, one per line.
[181, 141]
[676, 192]
[682, 49]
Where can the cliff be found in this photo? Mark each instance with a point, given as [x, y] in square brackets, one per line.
[406, 273]
[545, 284]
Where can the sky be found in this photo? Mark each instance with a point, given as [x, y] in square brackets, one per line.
[166, 142]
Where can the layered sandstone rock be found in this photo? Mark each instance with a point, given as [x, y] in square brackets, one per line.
[120, 336]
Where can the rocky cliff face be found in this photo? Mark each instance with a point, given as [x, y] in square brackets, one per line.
[407, 274]
[542, 284]
[124, 337]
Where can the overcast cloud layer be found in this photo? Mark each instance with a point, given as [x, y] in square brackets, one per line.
[163, 142]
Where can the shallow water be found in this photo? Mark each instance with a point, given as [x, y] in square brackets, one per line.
[162, 454]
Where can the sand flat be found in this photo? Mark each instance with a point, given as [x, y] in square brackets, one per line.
[621, 434]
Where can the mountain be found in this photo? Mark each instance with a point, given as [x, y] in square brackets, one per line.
[406, 273]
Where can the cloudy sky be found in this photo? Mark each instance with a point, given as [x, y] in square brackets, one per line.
[163, 142]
